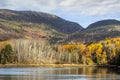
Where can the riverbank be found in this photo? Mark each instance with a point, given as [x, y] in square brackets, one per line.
[54, 65]
[44, 65]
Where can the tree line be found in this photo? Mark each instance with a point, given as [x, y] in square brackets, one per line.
[35, 52]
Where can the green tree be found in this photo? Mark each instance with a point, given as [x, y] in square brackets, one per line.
[6, 55]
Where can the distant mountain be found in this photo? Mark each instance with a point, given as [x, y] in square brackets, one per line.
[104, 23]
[31, 24]
[97, 31]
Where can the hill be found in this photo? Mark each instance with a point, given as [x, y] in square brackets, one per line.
[97, 31]
[31, 24]
[104, 23]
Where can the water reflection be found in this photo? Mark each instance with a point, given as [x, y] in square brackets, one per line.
[67, 73]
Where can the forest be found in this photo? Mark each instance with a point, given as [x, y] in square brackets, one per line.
[23, 51]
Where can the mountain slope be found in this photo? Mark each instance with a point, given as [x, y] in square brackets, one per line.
[54, 21]
[104, 23]
[30, 24]
[97, 31]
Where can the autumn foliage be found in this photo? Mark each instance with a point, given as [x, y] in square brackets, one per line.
[34, 52]
[103, 52]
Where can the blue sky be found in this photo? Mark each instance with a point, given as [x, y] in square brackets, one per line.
[83, 12]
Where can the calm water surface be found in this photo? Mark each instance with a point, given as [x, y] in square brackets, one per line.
[66, 73]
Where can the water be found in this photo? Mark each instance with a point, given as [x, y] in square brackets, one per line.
[66, 73]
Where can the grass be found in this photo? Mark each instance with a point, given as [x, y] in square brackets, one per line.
[54, 65]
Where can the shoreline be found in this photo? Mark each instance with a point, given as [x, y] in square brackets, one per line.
[55, 65]
[45, 65]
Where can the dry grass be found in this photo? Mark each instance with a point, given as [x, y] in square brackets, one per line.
[46, 65]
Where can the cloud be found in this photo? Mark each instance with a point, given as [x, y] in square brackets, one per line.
[67, 7]
[91, 7]
[37, 5]
[68, 3]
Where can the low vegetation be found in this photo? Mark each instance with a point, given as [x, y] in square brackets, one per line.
[23, 51]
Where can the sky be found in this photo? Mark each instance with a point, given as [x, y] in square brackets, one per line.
[83, 12]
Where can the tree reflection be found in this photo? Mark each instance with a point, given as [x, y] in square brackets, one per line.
[64, 73]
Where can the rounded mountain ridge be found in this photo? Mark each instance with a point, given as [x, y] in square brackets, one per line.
[57, 23]
[104, 23]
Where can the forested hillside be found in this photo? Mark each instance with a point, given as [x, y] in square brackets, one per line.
[34, 25]
[97, 31]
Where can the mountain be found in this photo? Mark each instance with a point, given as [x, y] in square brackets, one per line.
[97, 31]
[39, 17]
[48, 27]
[104, 23]
[31, 24]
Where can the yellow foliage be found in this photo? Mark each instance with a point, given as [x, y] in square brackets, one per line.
[3, 44]
[103, 52]
[72, 47]
[104, 58]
